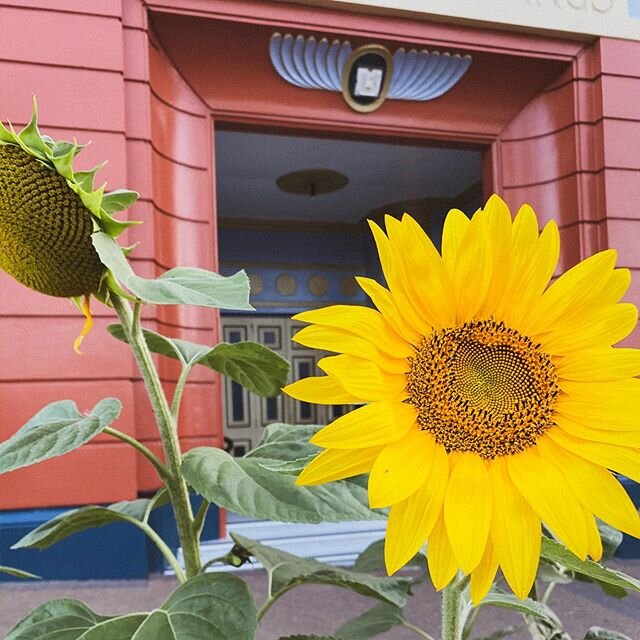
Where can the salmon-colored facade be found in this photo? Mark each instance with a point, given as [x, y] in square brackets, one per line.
[146, 82]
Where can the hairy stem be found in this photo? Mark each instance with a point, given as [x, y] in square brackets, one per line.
[176, 485]
[454, 609]
[136, 444]
[164, 550]
[177, 394]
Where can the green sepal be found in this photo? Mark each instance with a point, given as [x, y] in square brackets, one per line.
[58, 156]
[85, 178]
[119, 200]
[30, 136]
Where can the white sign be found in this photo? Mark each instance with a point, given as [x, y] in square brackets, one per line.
[368, 82]
[613, 18]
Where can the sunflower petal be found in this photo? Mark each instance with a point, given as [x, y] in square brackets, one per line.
[624, 460]
[431, 292]
[337, 464]
[622, 438]
[467, 509]
[385, 303]
[440, 559]
[483, 575]
[594, 487]
[374, 424]
[499, 228]
[599, 414]
[545, 489]
[364, 322]
[600, 365]
[412, 520]
[455, 228]
[320, 390]
[602, 327]
[515, 531]
[594, 547]
[333, 339]
[472, 271]
[363, 378]
[401, 468]
[573, 290]
[532, 266]
[393, 269]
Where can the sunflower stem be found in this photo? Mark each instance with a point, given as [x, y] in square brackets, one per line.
[454, 609]
[177, 487]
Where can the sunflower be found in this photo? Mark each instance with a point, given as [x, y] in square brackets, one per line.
[492, 401]
[48, 213]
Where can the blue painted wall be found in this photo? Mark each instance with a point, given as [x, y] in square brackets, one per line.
[115, 552]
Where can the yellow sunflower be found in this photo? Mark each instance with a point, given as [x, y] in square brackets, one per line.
[492, 401]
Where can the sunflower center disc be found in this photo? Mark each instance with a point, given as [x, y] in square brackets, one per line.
[482, 387]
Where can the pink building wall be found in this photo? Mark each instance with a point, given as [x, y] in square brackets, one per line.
[147, 81]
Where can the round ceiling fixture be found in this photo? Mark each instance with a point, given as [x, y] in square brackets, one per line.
[312, 182]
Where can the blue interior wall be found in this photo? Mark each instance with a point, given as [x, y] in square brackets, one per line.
[250, 246]
[317, 255]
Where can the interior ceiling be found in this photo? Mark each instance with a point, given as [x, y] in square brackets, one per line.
[248, 163]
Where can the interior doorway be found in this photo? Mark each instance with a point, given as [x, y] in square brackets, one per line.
[292, 210]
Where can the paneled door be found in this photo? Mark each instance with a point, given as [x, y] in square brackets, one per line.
[246, 415]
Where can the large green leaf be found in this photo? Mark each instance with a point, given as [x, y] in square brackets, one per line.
[252, 365]
[597, 633]
[245, 487]
[182, 285]
[502, 633]
[286, 571]
[76, 520]
[18, 573]
[55, 430]
[381, 618]
[215, 606]
[285, 443]
[554, 551]
[310, 637]
[529, 607]
[611, 540]
[372, 558]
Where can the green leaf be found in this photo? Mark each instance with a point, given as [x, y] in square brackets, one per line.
[19, 573]
[285, 448]
[216, 606]
[76, 520]
[63, 619]
[545, 629]
[286, 571]
[381, 618]
[182, 285]
[530, 607]
[611, 540]
[502, 633]
[554, 551]
[597, 633]
[55, 430]
[243, 486]
[310, 637]
[372, 558]
[119, 199]
[553, 572]
[252, 365]
[293, 467]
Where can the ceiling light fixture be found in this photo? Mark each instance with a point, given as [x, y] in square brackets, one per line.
[312, 182]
